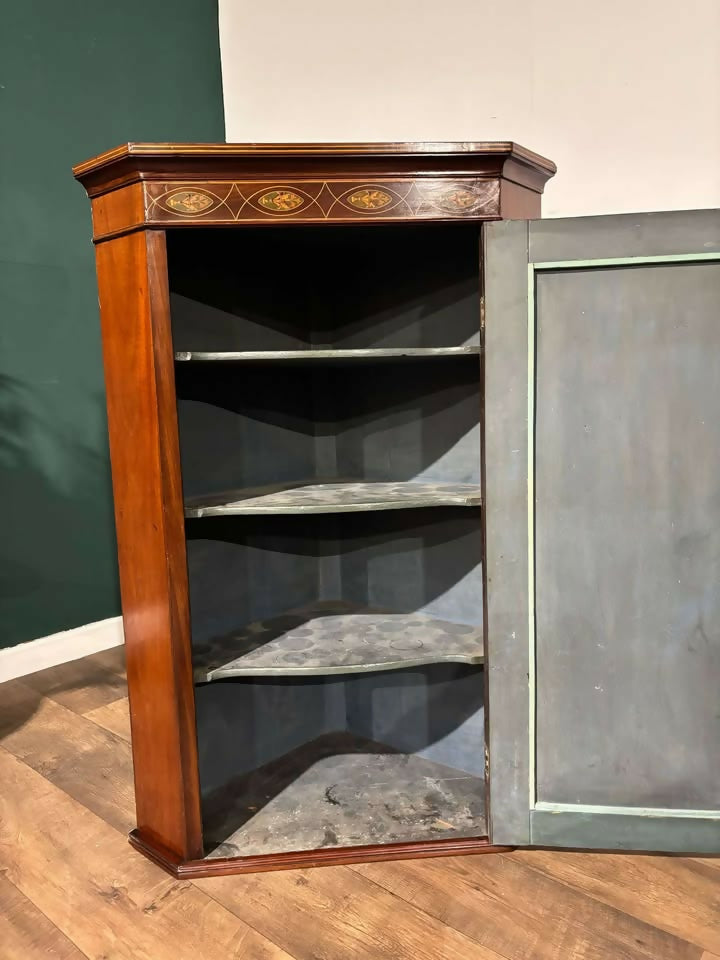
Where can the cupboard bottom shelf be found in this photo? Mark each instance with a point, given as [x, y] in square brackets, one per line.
[342, 791]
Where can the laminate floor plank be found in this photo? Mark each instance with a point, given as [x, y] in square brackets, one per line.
[27, 934]
[338, 914]
[80, 685]
[114, 717]
[91, 764]
[112, 659]
[520, 912]
[676, 894]
[69, 882]
[112, 903]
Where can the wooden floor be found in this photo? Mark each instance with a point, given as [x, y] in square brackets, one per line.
[71, 887]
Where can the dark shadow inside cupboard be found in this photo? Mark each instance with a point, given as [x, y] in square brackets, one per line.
[328, 386]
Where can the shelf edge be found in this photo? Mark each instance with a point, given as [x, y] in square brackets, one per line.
[222, 673]
[253, 356]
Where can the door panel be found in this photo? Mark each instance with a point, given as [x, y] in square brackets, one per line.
[627, 535]
[617, 740]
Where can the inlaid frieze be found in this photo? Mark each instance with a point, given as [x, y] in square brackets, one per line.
[311, 201]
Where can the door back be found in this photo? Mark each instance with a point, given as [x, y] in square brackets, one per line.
[602, 493]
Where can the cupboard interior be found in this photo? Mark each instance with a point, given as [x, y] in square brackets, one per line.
[333, 531]
[317, 287]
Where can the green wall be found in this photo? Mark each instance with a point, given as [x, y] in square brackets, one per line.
[76, 78]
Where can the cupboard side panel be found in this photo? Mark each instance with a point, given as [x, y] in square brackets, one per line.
[132, 276]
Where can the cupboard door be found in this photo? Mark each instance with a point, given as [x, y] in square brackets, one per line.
[602, 467]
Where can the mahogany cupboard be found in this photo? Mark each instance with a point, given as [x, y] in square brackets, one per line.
[417, 513]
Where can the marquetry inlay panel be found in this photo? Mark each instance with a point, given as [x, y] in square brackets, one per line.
[312, 200]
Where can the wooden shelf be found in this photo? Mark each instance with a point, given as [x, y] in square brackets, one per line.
[337, 637]
[334, 497]
[312, 356]
[342, 790]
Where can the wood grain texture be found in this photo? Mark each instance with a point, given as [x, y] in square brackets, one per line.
[151, 548]
[78, 685]
[331, 857]
[75, 881]
[114, 212]
[361, 160]
[339, 914]
[518, 912]
[680, 896]
[386, 149]
[187, 184]
[112, 659]
[26, 933]
[214, 202]
[140, 390]
[82, 875]
[114, 717]
[87, 762]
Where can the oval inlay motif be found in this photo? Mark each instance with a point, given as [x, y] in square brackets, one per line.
[369, 199]
[189, 201]
[459, 199]
[281, 201]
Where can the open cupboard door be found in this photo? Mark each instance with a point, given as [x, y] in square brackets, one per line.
[602, 493]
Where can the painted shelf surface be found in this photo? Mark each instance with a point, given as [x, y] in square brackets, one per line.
[337, 497]
[328, 355]
[342, 790]
[337, 637]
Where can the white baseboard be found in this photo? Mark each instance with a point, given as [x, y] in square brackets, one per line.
[59, 648]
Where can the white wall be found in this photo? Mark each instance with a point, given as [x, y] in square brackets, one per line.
[624, 95]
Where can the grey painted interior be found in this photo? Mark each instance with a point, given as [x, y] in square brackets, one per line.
[628, 536]
[434, 711]
[362, 287]
[244, 425]
[247, 726]
[338, 496]
[244, 569]
[506, 525]
[343, 356]
[334, 636]
[348, 287]
[342, 790]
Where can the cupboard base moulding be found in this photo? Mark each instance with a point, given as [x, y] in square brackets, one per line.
[196, 869]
